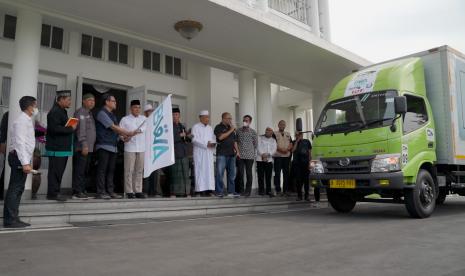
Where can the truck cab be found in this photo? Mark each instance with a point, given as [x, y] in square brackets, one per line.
[376, 135]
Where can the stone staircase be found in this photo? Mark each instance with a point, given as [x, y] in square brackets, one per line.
[46, 213]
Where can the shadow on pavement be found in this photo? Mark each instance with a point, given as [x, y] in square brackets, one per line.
[375, 212]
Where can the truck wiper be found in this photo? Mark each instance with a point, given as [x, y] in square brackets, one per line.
[331, 129]
[377, 121]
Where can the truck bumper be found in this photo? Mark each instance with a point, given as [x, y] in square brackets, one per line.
[391, 181]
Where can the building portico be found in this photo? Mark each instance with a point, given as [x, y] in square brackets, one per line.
[244, 61]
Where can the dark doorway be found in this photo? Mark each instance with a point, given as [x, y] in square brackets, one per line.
[120, 112]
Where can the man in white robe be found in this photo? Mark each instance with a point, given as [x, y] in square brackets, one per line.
[204, 142]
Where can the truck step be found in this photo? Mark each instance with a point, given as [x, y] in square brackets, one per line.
[382, 200]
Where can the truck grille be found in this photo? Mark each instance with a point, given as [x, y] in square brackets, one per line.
[356, 164]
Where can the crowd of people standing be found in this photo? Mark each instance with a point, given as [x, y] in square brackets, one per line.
[225, 148]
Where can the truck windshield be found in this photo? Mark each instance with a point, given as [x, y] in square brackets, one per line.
[368, 110]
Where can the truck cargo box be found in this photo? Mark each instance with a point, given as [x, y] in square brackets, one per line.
[445, 89]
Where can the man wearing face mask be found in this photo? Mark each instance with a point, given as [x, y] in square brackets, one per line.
[247, 142]
[21, 148]
[59, 143]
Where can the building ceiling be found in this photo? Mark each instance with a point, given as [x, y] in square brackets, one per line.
[229, 39]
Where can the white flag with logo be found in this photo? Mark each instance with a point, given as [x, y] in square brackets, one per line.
[159, 142]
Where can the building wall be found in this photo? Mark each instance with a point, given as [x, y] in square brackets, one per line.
[62, 68]
[280, 112]
[199, 92]
[200, 87]
[224, 94]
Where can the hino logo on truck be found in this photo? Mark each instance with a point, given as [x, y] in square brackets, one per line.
[344, 162]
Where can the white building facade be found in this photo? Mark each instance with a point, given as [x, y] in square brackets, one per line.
[271, 59]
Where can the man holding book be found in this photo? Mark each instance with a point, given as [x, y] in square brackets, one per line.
[59, 143]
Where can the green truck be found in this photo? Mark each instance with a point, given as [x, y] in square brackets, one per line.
[395, 130]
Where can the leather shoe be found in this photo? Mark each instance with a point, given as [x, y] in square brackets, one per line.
[140, 195]
[115, 196]
[24, 223]
[15, 224]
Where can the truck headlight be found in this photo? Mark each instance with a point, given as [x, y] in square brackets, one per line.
[386, 163]
[316, 166]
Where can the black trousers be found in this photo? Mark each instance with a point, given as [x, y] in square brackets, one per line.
[105, 171]
[149, 184]
[264, 173]
[281, 164]
[301, 174]
[15, 190]
[316, 193]
[244, 165]
[56, 168]
[80, 169]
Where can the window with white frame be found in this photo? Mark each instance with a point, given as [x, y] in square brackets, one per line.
[151, 60]
[5, 96]
[91, 46]
[153, 103]
[52, 37]
[9, 26]
[173, 66]
[118, 52]
[46, 93]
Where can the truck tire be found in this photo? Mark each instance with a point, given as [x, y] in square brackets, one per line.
[340, 201]
[421, 200]
[441, 196]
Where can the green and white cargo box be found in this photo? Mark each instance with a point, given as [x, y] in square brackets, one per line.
[445, 88]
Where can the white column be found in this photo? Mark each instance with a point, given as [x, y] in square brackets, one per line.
[246, 96]
[25, 69]
[247, 107]
[323, 7]
[315, 17]
[264, 113]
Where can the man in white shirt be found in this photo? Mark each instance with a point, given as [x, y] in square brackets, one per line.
[266, 149]
[21, 148]
[204, 146]
[134, 148]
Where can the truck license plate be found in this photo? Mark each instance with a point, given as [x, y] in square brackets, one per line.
[342, 184]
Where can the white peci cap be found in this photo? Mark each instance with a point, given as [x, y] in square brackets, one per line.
[204, 113]
[148, 107]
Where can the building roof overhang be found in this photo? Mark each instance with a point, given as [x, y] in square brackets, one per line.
[234, 36]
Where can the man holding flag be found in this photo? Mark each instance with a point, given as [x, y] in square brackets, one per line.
[134, 148]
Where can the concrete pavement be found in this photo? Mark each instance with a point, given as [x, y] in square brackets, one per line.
[376, 239]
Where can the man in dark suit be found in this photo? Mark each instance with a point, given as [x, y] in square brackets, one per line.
[59, 144]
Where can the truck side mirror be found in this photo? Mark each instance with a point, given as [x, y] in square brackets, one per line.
[400, 104]
[298, 124]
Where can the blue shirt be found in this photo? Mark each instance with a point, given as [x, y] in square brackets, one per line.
[107, 122]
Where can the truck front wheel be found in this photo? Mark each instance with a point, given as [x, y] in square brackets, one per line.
[421, 200]
[341, 201]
